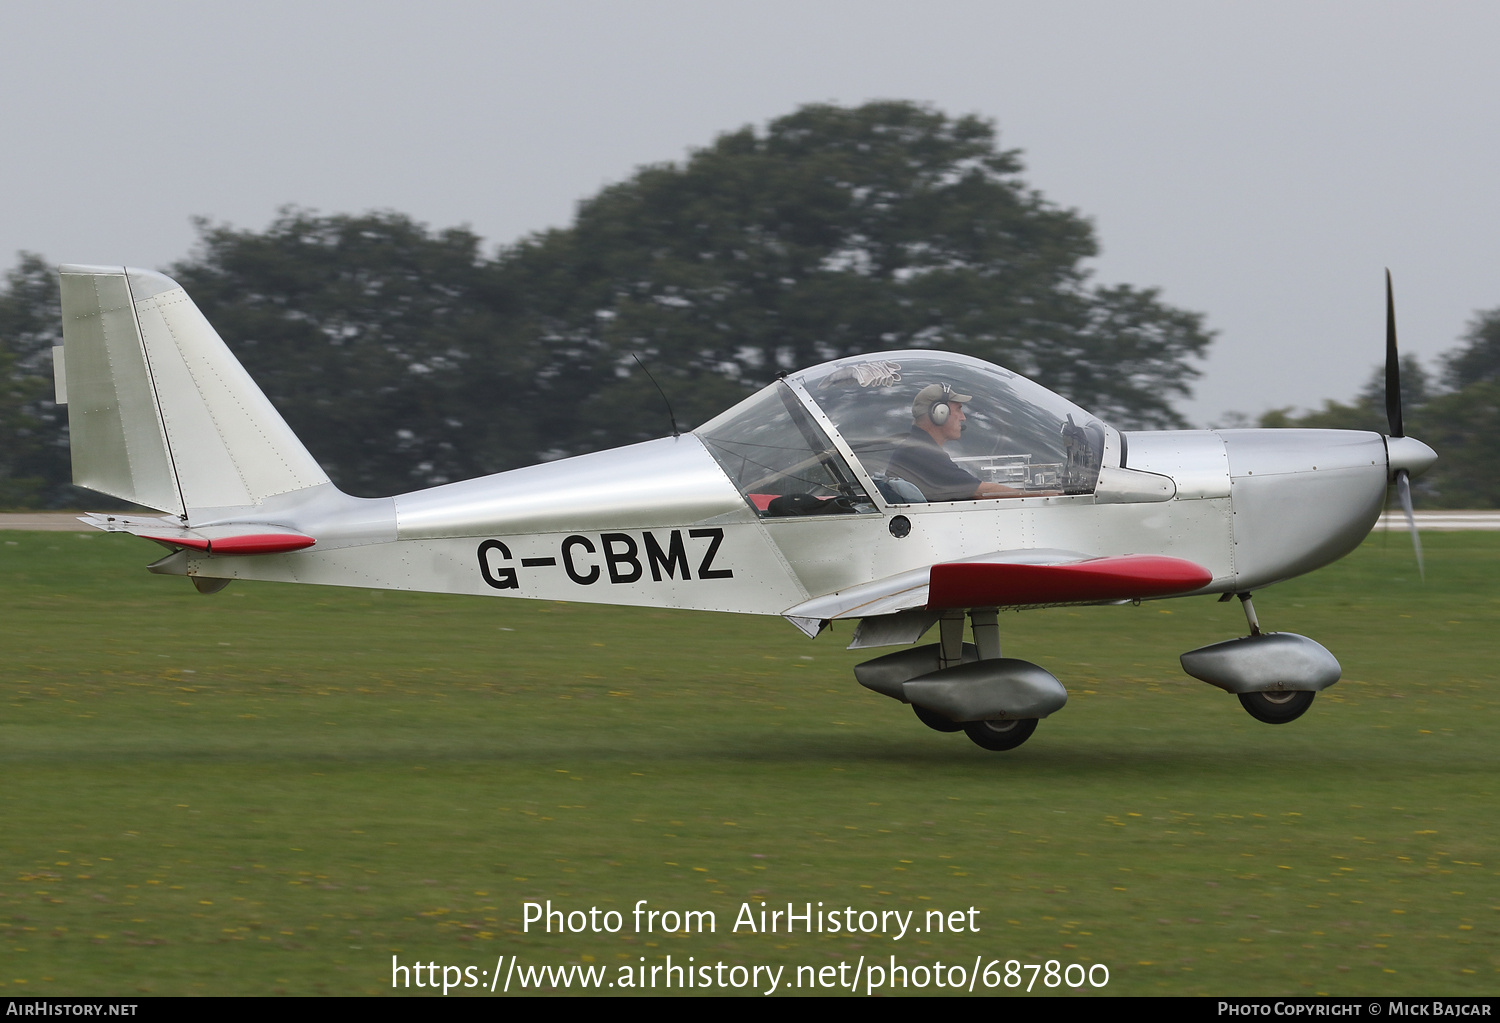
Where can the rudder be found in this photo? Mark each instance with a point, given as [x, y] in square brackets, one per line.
[160, 412]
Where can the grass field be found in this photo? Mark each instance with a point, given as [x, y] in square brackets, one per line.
[276, 789]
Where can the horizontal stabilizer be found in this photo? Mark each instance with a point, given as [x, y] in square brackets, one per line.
[252, 543]
[226, 538]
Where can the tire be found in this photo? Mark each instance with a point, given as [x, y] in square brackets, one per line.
[1000, 735]
[932, 719]
[1277, 708]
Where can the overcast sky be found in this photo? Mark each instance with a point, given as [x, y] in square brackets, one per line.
[1259, 162]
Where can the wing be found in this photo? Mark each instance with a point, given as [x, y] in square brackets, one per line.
[984, 583]
[1022, 578]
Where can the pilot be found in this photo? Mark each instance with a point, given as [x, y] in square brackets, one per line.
[937, 418]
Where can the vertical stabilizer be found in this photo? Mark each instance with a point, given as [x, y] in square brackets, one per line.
[159, 411]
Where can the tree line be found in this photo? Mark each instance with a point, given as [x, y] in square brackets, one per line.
[406, 357]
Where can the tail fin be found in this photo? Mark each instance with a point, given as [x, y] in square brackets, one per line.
[159, 411]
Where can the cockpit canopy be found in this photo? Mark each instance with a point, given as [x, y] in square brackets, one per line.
[810, 444]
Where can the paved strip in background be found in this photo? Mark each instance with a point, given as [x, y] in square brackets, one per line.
[67, 522]
[51, 522]
[1442, 521]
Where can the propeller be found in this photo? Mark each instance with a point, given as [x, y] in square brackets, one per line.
[1393, 417]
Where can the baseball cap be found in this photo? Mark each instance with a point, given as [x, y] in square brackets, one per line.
[934, 393]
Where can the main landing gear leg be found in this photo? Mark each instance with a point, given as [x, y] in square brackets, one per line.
[950, 654]
[986, 632]
[951, 638]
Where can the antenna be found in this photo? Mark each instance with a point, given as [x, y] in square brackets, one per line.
[675, 432]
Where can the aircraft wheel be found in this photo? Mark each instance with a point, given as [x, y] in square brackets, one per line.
[932, 719]
[1000, 735]
[1277, 708]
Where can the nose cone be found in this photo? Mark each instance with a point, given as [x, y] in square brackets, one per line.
[1410, 454]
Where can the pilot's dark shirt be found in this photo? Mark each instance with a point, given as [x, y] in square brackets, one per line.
[920, 461]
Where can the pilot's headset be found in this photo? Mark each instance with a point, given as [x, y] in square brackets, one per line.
[941, 409]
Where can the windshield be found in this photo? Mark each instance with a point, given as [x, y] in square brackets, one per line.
[940, 427]
[781, 460]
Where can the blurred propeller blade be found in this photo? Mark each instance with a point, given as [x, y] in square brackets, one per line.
[1398, 429]
[1403, 487]
[1392, 364]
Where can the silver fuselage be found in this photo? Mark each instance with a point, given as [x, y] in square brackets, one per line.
[660, 524]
